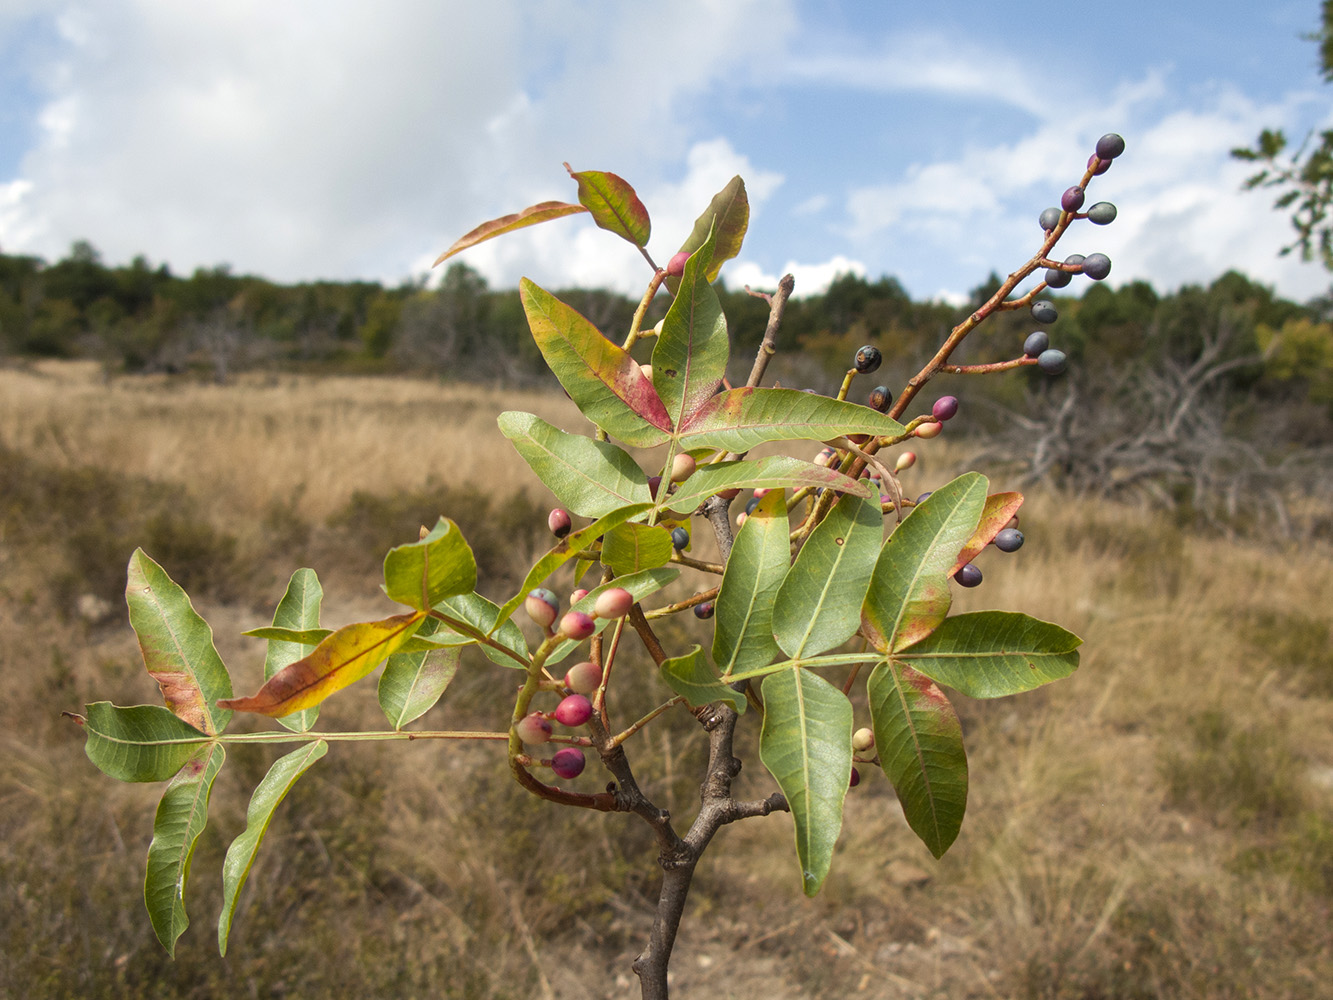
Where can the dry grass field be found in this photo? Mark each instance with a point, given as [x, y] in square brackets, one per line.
[1158, 825]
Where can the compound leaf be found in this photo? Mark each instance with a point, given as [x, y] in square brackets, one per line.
[181, 816]
[177, 646]
[920, 744]
[806, 744]
[268, 794]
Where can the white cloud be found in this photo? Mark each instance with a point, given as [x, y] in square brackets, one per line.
[810, 279]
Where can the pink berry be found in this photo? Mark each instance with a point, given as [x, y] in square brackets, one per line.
[533, 729]
[676, 265]
[577, 596]
[542, 606]
[573, 710]
[577, 625]
[682, 467]
[613, 603]
[559, 522]
[929, 430]
[905, 461]
[568, 763]
[584, 677]
[863, 739]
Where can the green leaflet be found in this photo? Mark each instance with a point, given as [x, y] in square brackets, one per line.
[606, 384]
[299, 611]
[806, 744]
[139, 743]
[760, 557]
[470, 618]
[177, 646]
[909, 592]
[690, 676]
[425, 572]
[629, 548]
[819, 603]
[591, 478]
[613, 204]
[920, 745]
[690, 356]
[773, 472]
[739, 419]
[990, 654]
[181, 816]
[726, 219]
[411, 683]
[268, 794]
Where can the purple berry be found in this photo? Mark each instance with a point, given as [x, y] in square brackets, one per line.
[1055, 278]
[1098, 166]
[559, 522]
[576, 625]
[542, 606]
[945, 407]
[1049, 218]
[1102, 214]
[868, 359]
[1037, 342]
[879, 398]
[654, 482]
[1044, 312]
[1072, 199]
[922, 497]
[533, 729]
[679, 538]
[1110, 146]
[968, 576]
[704, 611]
[1097, 266]
[574, 710]
[584, 677]
[1052, 362]
[568, 763]
[1009, 540]
[613, 603]
[855, 779]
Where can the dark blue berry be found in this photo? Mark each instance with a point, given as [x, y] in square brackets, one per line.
[1075, 260]
[1110, 146]
[1049, 218]
[968, 576]
[1102, 213]
[1044, 312]
[1036, 343]
[1055, 278]
[751, 504]
[922, 497]
[879, 398]
[1009, 540]
[703, 611]
[679, 538]
[1097, 266]
[868, 359]
[1052, 362]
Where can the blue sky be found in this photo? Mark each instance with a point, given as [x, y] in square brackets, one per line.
[340, 140]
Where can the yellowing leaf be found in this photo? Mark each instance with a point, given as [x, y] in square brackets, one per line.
[543, 212]
[342, 659]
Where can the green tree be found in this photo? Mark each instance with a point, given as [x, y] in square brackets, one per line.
[1304, 178]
